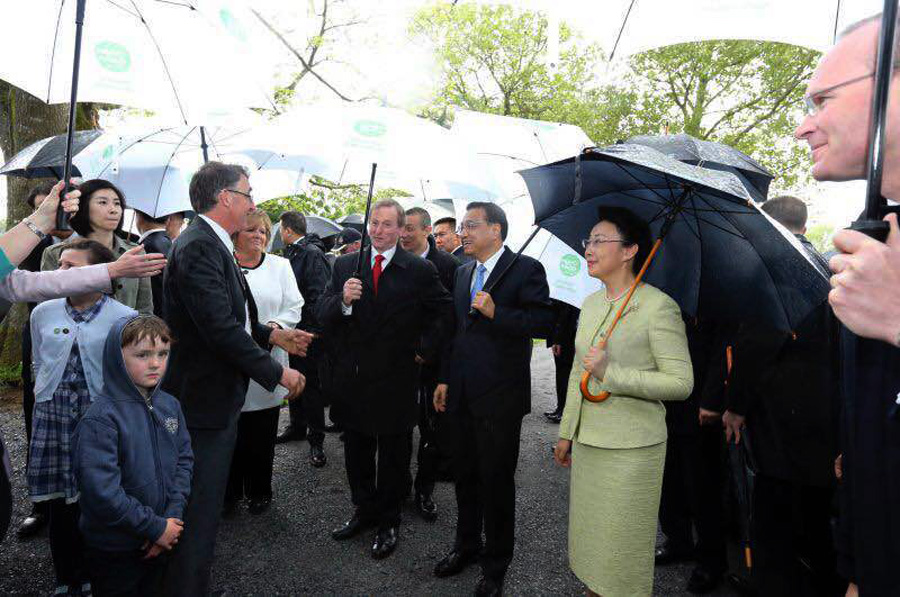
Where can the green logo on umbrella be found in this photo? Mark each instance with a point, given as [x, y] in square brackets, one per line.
[370, 128]
[112, 56]
[108, 152]
[231, 23]
[569, 265]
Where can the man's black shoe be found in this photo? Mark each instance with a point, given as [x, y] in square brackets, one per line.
[426, 507]
[333, 428]
[290, 435]
[385, 542]
[488, 587]
[671, 554]
[554, 416]
[455, 562]
[351, 528]
[703, 581]
[317, 456]
[32, 525]
[259, 505]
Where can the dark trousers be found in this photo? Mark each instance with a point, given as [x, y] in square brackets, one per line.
[189, 572]
[307, 411]
[692, 496]
[793, 548]
[66, 542]
[377, 467]
[485, 457]
[124, 573]
[254, 455]
[563, 362]
[428, 456]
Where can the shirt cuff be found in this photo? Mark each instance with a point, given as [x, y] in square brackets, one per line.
[346, 310]
[6, 267]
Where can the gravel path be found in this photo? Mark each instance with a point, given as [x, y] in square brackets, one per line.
[288, 551]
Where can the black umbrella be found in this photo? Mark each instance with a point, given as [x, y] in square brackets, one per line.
[47, 158]
[354, 221]
[743, 476]
[318, 225]
[723, 258]
[715, 156]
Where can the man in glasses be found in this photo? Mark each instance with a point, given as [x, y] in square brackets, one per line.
[866, 298]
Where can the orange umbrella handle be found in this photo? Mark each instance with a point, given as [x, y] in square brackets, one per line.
[586, 377]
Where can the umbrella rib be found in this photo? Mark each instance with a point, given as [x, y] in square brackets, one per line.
[166, 169]
[53, 54]
[135, 142]
[637, 180]
[713, 209]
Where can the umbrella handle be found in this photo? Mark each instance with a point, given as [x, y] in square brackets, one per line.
[585, 391]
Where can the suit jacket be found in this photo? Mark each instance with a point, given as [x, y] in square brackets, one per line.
[565, 323]
[488, 366]
[374, 373]
[213, 357]
[460, 255]
[446, 265]
[312, 271]
[157, 242]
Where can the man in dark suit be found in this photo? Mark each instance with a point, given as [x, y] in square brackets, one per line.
[155, 240]
[446, 238]
[562, 344]
[220, 347]
[416, 239]
[382, 322]
[486, 389]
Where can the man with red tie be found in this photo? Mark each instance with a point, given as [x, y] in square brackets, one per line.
[383, 320]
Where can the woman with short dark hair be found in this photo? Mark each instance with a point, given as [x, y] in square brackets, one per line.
[617, 447]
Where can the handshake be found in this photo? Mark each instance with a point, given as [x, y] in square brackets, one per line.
[295, 342]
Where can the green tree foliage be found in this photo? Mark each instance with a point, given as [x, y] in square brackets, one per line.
[821, 236]
[328, 200]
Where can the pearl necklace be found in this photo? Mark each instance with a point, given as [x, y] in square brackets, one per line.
[624, 292]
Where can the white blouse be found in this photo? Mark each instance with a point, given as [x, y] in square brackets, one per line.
[278, 300]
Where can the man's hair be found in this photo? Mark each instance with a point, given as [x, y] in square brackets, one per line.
[80, 220]
[210, 180]
[97, 253]
[632, 229]
[876, 18]
[493, 213]
[258, 217]
[789, 211]
[40, 190]
[161, 220]
[294, 220]
[446, 220]
[148, 327]
[401, 215]
[424, 216]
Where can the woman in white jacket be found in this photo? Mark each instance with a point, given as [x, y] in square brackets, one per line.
[278, 302]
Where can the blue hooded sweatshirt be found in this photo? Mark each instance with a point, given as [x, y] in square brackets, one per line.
[133, 458]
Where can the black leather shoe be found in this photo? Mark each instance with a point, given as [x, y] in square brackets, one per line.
[317, 456]
[259, 505]
[290, 435]
[32, 525]
[385, 542]
[488, 587]
[351, 528]
[455, 562]
[333, 428]
[426, 507]
[703, 581]
[554, 416]
[671, 554]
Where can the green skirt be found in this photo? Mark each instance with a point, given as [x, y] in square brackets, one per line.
[613, 508]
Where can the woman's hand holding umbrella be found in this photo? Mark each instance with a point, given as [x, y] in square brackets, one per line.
[20, 240]
[596, 361]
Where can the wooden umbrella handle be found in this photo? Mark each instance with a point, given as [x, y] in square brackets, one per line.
[586, 377]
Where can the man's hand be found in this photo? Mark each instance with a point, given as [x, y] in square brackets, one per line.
[484, 304]
[44, 217]
[134, 263]
[596, 361]
[440, 397]
[708, 417]
[562, 453]
[839, 467]
[865, 291]
[293, 381]
[153, 551]
[295, 342]
[852, 590]
[170, 536]
[352, 291]
[733, 423]
[420, 360]
[556, 349]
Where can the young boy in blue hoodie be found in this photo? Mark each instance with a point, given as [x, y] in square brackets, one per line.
[133, 463]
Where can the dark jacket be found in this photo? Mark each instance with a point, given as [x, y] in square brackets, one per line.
[374, 371]
[133, 459]
[213, 358]
[565, 324]
[488, 367]
[445, 263]
[312, 270]
[157, 242]
[460, 255]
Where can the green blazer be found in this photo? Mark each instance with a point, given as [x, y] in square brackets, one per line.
[648, 362]
[132, 292]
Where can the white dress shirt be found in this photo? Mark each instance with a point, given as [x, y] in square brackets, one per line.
[388, 255]
[229, 244]
[489, 264]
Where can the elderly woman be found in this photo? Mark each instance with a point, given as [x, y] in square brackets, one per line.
[278, 302]
[100, 218]
[617, 447]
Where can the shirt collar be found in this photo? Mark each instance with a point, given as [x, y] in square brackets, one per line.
[425, 254]
[388, 255]
[491, 262]
[88, 314]
[220, 232]
[143, 236]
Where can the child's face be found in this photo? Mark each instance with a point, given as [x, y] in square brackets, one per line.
[146, 361]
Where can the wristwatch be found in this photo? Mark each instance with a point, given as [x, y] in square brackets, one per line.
[35, 229]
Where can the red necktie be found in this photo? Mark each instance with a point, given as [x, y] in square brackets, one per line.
[376, 272]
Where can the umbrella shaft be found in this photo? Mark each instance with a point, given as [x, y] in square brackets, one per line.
[62, 220]
[365, 230]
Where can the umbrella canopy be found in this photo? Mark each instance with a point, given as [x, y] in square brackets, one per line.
[354, 221]
[716, 156]
[46, 158]
[318, 225]
[720, 250]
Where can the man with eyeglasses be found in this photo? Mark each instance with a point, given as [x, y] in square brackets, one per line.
[866, 298]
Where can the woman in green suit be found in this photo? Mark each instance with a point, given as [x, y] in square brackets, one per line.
[617, 447]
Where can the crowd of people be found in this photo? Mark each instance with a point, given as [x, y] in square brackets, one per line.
[151, 400]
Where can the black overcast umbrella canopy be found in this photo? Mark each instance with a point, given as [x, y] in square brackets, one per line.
[722, 258]
[47, 158]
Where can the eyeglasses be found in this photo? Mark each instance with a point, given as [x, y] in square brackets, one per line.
[247, 195]
[469, 225]
[813, 101]
[596, 242]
